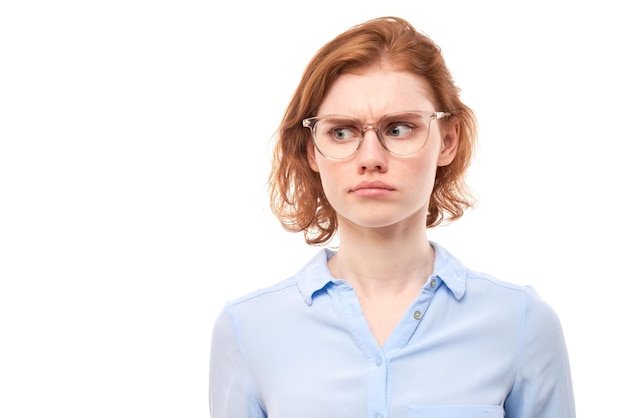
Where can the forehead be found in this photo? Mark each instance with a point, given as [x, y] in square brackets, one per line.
[375, 92]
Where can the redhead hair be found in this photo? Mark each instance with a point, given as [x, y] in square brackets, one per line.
[296, 194]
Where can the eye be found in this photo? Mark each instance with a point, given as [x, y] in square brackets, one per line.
[399, 129]
[408, 125]
[342, 134]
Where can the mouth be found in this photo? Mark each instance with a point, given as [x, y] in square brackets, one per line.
[372, 186]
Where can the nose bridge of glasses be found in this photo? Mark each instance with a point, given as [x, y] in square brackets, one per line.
[380, 140]
[375, 128]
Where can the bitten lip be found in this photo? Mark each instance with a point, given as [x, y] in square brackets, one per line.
[371, 185]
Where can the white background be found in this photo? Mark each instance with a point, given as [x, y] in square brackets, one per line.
[134, 149]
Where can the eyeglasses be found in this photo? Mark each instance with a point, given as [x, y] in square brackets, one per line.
[403, 134]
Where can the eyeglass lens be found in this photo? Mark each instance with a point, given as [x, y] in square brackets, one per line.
[402, 134]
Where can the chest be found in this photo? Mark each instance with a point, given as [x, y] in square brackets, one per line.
[382, 316]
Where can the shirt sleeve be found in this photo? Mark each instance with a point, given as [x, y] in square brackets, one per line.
[543, 386]
[230, 387]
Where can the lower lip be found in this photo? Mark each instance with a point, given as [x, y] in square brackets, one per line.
[372, 192]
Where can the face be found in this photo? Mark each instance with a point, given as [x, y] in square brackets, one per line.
[373, 188]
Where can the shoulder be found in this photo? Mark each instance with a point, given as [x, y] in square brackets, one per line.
[300, 287]
[523, 297]
[281, 287]
[524, 294]
[483, 282]
[536, 324]
[261, 301]
[489, 293]
[256, 314]
[466, 283]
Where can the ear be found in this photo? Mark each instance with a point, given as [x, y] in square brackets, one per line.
[310, 153]
[449, 142]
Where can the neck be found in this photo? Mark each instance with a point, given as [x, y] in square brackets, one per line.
[387, 260]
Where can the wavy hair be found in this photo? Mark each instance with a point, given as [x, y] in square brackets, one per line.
[296, 194]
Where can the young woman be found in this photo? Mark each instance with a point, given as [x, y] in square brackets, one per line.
[373, 148]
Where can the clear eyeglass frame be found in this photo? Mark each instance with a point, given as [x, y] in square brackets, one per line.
[389, 144]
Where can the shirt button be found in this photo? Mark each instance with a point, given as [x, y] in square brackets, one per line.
[379, 361]
[417, 315]
[433, 282]
[379, 416]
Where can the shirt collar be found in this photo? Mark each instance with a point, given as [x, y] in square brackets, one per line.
[450, 270]
[315, 275]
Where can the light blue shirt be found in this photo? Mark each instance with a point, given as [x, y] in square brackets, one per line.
[469, 346]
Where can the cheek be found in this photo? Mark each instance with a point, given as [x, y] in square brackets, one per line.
[425, 164]
[330, 177]
[422, 173]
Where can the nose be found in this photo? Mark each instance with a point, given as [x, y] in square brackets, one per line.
[372, 155]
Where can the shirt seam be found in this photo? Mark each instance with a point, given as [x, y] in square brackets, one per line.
[522, 343]
[273, 289]
[248, 370]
